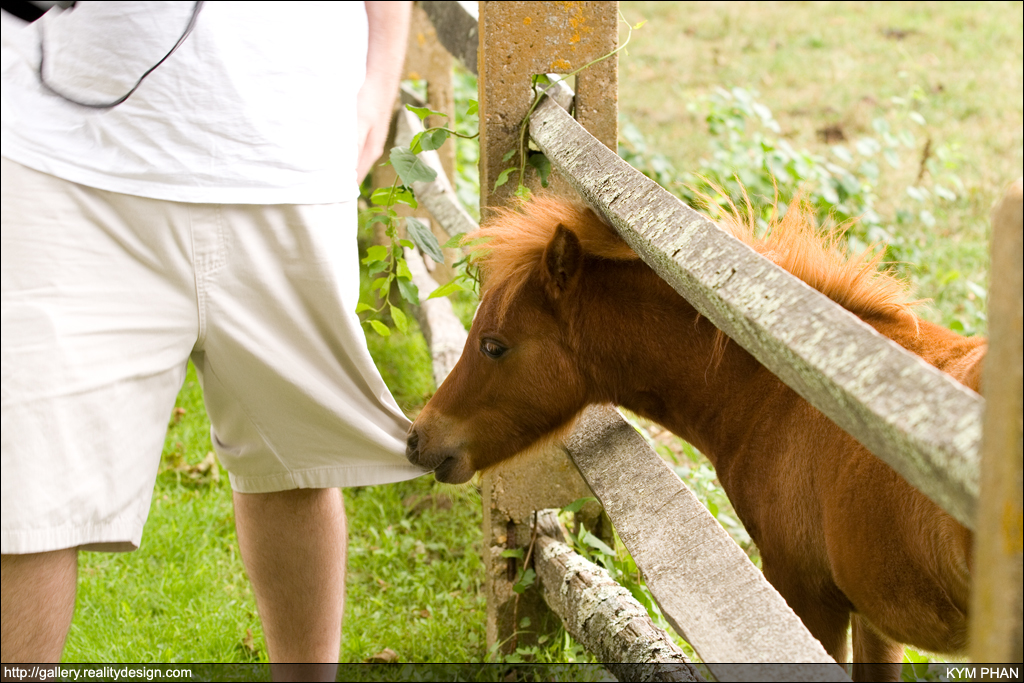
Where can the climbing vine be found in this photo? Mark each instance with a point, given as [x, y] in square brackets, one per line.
[386, 265]
[525, 156]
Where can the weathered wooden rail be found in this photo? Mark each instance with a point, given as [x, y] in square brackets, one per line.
[917, 419]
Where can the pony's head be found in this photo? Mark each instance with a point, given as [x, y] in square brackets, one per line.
[519, 381]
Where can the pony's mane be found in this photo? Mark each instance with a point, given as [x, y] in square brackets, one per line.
[508, 246]
[512, 241]
[822, 260]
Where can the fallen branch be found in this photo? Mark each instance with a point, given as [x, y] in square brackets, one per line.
[604, 616]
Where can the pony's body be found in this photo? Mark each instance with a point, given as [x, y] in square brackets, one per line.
[577, 319]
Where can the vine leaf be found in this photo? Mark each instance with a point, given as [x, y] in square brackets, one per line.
[578, 504]
[405, 196]
[381, 197]
[409, 167]
[409, 291]
[376, 259]
[444, 290]
[403, 269]
[401, 321]
[424, 112]
[525, 581]
[424, 238]
[415, 147]
[433, 139]
[540, 162]
[388, 196]
[455, 241]
[503, 177]
[596, 543]
[380, 328]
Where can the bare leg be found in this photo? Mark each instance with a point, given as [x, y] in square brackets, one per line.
[294, 547]
[875, 657]
[38, 600]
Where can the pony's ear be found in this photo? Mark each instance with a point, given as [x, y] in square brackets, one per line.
[562, 260]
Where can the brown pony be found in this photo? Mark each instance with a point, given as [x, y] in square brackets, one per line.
[570, 316]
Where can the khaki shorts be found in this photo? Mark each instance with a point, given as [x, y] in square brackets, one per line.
[105, 298]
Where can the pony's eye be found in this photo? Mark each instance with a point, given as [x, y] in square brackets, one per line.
[492, 349]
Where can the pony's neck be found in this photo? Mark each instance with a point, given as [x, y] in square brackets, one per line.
[646, 348]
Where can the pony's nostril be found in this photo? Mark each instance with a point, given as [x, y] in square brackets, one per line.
[412, 443]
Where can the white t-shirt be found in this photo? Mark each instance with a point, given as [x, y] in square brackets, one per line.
[257, 106]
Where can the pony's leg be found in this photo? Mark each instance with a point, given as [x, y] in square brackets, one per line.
[828, 626]
[875, 657]
[827, 623]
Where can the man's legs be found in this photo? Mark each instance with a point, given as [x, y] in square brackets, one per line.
[294, 547]
[293, 544]
[38, 599]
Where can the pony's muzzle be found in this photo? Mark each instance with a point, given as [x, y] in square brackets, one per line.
[448, 465]
[426, 457]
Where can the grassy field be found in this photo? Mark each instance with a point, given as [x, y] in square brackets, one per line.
[827, 71]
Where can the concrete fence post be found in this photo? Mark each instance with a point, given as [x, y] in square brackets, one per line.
[517, 41]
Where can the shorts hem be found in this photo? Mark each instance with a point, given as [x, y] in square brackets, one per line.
[324, 478]
[120, 537]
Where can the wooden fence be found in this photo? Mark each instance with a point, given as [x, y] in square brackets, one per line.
[917, 419]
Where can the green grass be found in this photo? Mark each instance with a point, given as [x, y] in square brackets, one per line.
[415, 579]
[817, 65]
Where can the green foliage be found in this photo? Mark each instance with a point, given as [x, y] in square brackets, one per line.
[753, 163]
[638, 153]
[403, 360]
[410, 168]
[467, 148]
[386, 265]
